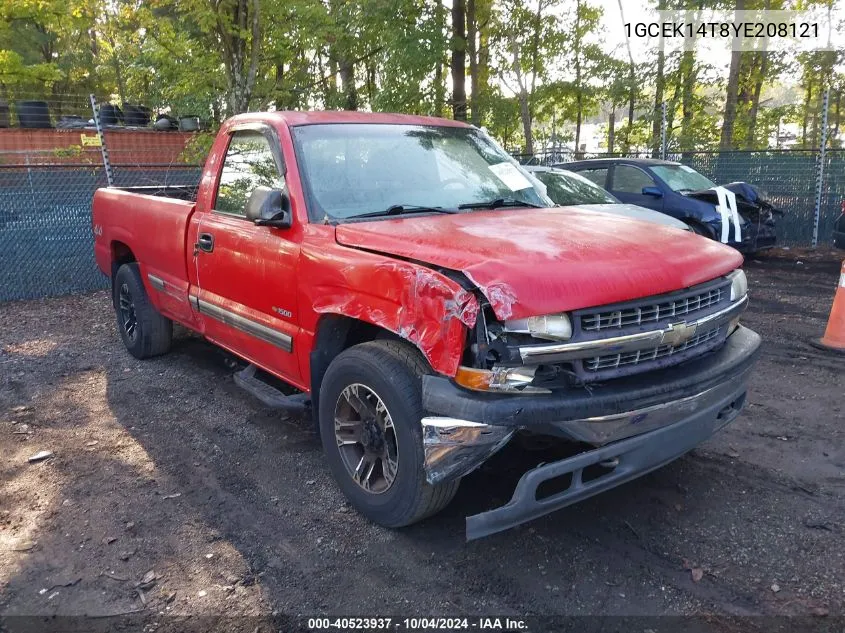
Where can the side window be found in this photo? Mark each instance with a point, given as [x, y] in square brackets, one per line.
[249, 163]
[597, 175]
[629, 179]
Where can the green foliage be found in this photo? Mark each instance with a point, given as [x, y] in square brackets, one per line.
[542, 66]
[197, 148]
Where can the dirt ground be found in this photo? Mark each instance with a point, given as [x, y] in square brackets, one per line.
[170, 492]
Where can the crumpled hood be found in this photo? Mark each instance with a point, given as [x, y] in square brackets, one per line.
[538, 261]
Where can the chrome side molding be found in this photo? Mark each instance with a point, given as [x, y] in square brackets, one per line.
[253, 328]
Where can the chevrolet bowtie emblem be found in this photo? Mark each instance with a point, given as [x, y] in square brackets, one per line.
[678, 333]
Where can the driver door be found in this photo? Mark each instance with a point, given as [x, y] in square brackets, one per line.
[246, 274]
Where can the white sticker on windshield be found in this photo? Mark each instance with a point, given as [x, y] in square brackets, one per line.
[687, 168]
[511, 176]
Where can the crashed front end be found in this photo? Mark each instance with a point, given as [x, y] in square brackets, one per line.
[637, 384]
[747, 216]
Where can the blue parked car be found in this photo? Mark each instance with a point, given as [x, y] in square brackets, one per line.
[681, 192]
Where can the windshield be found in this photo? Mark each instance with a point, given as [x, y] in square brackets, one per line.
[682, 178]
[354, 169]
[567, 188]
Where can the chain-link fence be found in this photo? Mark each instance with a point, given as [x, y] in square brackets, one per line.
[48, 175]
[788, 177]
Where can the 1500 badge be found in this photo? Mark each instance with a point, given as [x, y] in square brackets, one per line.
[282, 312]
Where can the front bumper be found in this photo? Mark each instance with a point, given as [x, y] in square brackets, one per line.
[643, 421]
[757, 237]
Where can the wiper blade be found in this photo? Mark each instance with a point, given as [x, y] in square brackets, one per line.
[399, 209]
[500, 202]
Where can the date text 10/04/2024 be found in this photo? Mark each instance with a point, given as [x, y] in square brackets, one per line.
[417, 624]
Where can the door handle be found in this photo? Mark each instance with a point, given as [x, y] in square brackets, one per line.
[205, 242]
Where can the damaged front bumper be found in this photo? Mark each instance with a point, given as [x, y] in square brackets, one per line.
[639, 423]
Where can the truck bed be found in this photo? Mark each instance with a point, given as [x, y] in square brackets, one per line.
[177, 192]
[153, 228]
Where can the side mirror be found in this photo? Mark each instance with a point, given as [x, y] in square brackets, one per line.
[269, 207]
[652, 191]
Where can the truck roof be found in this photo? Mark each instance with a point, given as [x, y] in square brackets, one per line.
[293, 118]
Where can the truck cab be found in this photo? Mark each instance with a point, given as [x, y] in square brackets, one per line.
[430, 304]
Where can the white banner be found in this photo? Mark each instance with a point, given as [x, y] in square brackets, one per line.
[727, 209]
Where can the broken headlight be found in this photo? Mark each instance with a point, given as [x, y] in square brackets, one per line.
[739, 284]
[554, 327]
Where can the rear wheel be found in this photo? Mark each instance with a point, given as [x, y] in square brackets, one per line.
[144, 331]
[370, 412]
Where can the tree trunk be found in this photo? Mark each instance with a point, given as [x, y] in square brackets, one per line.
[632, 86]
[611, 130]
[370, 68]
[750, 142]
[439, 91]
[579, 97]
[523, 96]
[525, 115]
[729, 118]
[689, 76]
[687, 100]
[762, 65]
[472, 52]
[439, 96]
[459, 95]
[659, 83]
[240, 71]
[483, 9]
[281, 104]
[347, 83]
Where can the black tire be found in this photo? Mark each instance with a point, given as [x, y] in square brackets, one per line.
[393, 371]
[151, 333]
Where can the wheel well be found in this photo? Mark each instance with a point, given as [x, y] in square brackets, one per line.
[336, 333]
[120, 254]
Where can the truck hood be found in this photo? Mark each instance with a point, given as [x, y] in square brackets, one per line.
[539, 261]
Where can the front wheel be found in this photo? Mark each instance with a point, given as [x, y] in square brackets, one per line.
[370, 412]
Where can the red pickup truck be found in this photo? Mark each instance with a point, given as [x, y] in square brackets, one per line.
[430, 304]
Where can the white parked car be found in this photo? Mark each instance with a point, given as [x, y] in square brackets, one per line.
[568, 189]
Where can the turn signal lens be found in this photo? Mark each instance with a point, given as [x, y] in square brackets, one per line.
[476, 379]
[504, 379]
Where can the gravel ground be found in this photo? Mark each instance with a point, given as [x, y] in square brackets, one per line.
[171, 492]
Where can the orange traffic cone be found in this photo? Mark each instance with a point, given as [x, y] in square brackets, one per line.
[834, 335]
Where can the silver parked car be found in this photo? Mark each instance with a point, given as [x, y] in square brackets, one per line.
[569, 189]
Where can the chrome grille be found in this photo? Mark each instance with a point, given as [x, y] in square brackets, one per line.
[651, 312]
[613, 361]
